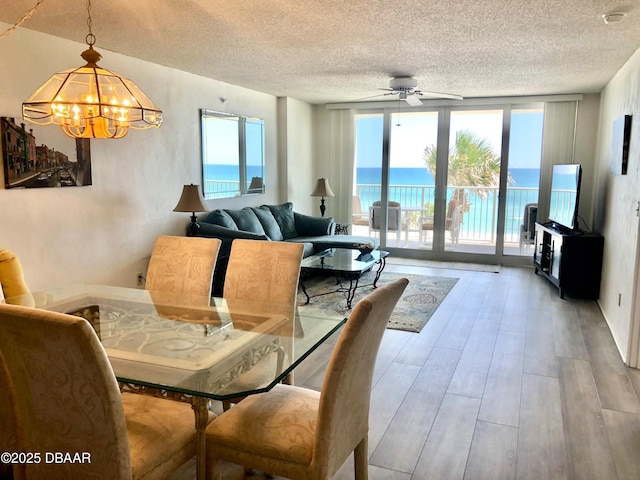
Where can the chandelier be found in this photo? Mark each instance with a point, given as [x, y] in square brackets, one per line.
[90, 101]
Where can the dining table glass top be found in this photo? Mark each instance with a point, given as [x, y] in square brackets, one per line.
[200, 346]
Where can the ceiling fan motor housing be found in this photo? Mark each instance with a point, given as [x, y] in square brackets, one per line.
[403, 84]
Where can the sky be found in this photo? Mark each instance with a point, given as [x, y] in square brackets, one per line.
[412, 132]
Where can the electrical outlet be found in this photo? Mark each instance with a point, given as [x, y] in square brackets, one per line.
[140, 280]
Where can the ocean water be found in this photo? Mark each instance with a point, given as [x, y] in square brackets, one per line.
[523, 177]
[522, 190]
[230, 172]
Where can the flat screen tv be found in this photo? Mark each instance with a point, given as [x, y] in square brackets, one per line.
[565, 193]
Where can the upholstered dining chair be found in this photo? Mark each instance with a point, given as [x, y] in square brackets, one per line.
[183, 265]
[9, 429]
[259, 273]
[303, 434]
[263, 271]
[11, 275]
[67, 400]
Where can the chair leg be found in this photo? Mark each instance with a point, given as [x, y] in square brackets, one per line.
[361, 459]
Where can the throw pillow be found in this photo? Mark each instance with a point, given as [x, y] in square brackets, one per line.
[220, 217]
[268, 221]
[284, 216]
[246, 220]
[308, 226]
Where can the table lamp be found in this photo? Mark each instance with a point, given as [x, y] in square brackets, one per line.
[322, 190]
[191, 201]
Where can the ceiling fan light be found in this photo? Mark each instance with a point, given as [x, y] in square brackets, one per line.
[403, 83]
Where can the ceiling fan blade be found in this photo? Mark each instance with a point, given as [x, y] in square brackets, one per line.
[413, 100]
[373, 96]
[452, 96]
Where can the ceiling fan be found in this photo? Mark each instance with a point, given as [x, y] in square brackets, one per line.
[405, 88]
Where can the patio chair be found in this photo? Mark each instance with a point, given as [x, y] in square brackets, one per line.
[528, 226]
[300, 433]
[455, 212]
[358, 217]
[395, 221]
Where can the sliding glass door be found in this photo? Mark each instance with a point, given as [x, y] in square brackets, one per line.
[447, 181]
[473, 180]
[525, 158]
[411, 180]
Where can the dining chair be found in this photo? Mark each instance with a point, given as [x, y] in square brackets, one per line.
[9, 429]
[263, 273]
[67, 400]
[183, 265]
[11, 275]
[303, 434]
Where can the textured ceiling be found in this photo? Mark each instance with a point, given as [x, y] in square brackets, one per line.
[326, 51]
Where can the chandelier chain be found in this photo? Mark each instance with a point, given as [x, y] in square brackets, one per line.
[90, 38]
[26, 16]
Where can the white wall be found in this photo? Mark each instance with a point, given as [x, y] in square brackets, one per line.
[334, 134]
[618, 196]
[296, 155]
[585, 148]
[104, 233]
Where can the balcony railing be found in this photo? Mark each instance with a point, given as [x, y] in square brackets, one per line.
[479, 221]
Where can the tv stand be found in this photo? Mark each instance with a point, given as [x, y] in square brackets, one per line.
[570, 259]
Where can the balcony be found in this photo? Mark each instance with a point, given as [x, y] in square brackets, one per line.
[479, 223]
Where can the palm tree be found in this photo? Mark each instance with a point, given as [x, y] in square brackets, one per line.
[472, 162]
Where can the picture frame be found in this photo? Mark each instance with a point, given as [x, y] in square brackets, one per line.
[42, 157]
[620, 139]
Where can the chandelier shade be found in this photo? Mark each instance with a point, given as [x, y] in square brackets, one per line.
[91, 102]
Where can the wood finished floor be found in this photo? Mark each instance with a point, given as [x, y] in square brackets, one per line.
[506, 381]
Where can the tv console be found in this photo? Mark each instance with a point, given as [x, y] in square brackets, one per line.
[570, 259]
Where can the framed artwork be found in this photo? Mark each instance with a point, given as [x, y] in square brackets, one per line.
[42, 158]
[620, 139]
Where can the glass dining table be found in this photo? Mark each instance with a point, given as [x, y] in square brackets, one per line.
[191, 349]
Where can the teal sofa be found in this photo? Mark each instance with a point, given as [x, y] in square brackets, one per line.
[272, 223]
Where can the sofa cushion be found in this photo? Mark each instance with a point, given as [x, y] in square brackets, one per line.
[220, 217]
[284, 216]
[269, 224]
[322, 242]
[312, 226]
[309, 248]
[246, 220]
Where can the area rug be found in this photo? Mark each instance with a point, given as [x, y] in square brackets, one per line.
[418, 303]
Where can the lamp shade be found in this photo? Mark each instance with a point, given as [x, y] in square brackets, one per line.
[323, 189]
[191, 200]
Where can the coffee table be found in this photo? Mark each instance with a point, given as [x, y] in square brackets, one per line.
[345, 264]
